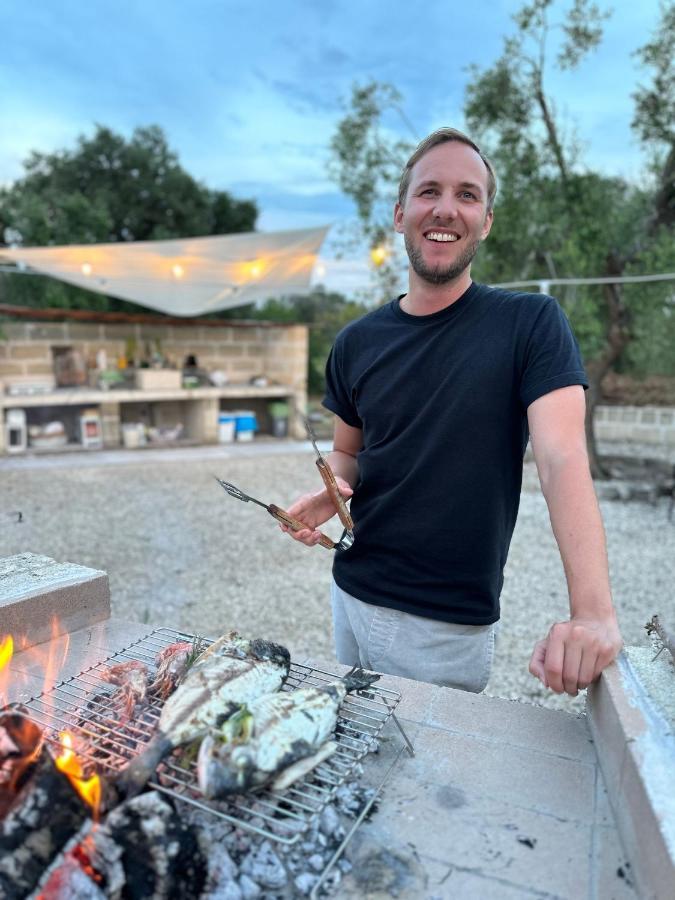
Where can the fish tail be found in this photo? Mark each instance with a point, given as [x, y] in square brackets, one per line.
[358, 679]
[140, 770]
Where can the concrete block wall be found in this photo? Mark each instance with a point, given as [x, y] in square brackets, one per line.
[643, 424]
[241, 350]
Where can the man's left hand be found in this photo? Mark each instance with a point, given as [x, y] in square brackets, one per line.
[574, 653]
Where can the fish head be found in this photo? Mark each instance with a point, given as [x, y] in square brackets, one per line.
[275, 653]
[223, 769]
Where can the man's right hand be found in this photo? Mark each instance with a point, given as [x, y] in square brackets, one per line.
[314, 510]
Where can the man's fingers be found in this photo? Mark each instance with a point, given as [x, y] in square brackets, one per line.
[537, 659]
[571, 668]
[589, 669]
[555, 658]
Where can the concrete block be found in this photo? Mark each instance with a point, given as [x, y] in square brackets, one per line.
[36, 351]
[637, 758]
[515, 724]
[47, 331]
[452, 824]
[612, 872]
[85, 331]
[558, 787]
[41, 598]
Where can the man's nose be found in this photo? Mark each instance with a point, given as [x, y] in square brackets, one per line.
[446, 206]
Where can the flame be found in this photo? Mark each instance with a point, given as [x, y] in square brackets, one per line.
[68, 763]
[6, 650]
[6, 653]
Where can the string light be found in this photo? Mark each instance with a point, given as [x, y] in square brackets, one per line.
[87, 268]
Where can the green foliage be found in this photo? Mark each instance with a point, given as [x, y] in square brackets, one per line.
[108, 189]
[654, 118]
[325, 312]
[552, 219]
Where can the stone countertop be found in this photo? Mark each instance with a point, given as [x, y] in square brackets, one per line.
[501, 800]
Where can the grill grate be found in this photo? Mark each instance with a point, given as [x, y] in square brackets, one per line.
[86, 706]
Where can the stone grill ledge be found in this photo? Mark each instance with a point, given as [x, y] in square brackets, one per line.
[502, 799]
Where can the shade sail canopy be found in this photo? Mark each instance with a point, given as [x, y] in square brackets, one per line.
[188, 277]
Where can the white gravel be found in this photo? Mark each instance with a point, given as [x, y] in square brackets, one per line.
[179, 552]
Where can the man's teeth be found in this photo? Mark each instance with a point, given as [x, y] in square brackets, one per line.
[441, 236]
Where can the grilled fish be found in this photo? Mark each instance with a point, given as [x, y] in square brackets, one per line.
[232, 671]
[269, 735]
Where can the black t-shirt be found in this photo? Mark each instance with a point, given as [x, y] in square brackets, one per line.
[442, 401]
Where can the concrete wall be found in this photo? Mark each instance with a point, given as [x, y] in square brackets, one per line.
[644, 424]
[241, 350]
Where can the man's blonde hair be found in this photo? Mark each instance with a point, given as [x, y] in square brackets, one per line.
[443, 136]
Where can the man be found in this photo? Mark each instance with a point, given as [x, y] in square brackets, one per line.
[435, 394]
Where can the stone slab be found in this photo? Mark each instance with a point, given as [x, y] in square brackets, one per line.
[41, 599]
[637, 756]
[515, 724]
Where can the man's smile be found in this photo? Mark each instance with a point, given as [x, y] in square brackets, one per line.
[442, 236]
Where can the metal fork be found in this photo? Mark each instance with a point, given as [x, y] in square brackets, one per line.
[275, 511]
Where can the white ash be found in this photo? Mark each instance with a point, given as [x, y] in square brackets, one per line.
[246, 866]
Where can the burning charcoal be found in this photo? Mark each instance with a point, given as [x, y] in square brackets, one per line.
[20, 743]
[265, 867]
[70, 882]
[249, 889]
[46, 814]
[160, 855]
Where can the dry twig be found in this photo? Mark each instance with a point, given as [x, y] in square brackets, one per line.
[666, 637]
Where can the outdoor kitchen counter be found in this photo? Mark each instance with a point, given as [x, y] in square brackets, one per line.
[501, 800]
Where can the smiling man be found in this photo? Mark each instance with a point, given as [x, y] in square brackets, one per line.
[435, 396]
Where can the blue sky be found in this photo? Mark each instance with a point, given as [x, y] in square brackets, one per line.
[249, 93]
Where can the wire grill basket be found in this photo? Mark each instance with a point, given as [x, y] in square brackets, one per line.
[87, 706]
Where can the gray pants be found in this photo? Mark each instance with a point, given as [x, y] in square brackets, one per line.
[398, 643]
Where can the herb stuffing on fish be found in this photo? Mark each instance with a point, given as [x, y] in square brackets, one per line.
[268, 737]
[232, 671]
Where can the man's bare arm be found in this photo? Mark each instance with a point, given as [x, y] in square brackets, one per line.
[317, 508]
[574, 653]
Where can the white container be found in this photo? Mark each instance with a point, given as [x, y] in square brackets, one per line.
[226, 428]
[91, 433]
[16, 433]
[133, 435]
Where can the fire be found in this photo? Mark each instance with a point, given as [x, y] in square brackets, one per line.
[68, 763]
[6, 650]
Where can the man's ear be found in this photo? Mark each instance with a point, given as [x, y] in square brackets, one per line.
[487, 225]
[398, 218]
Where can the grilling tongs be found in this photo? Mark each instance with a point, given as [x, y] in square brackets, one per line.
[282, 516]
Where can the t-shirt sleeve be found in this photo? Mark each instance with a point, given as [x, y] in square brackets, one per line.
[552, 356]
[338, 396]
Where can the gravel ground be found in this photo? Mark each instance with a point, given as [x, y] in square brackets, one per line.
[179, 552]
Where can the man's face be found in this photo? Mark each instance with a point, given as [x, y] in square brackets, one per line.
[444, 216]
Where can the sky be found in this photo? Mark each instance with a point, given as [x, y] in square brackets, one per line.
[249, 93]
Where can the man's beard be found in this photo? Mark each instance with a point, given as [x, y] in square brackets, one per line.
[437, 274]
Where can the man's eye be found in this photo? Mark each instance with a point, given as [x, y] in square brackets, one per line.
[469, 195]
[428, 191]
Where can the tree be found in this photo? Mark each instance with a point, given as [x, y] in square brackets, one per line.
[554, 219]
[109, 189]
